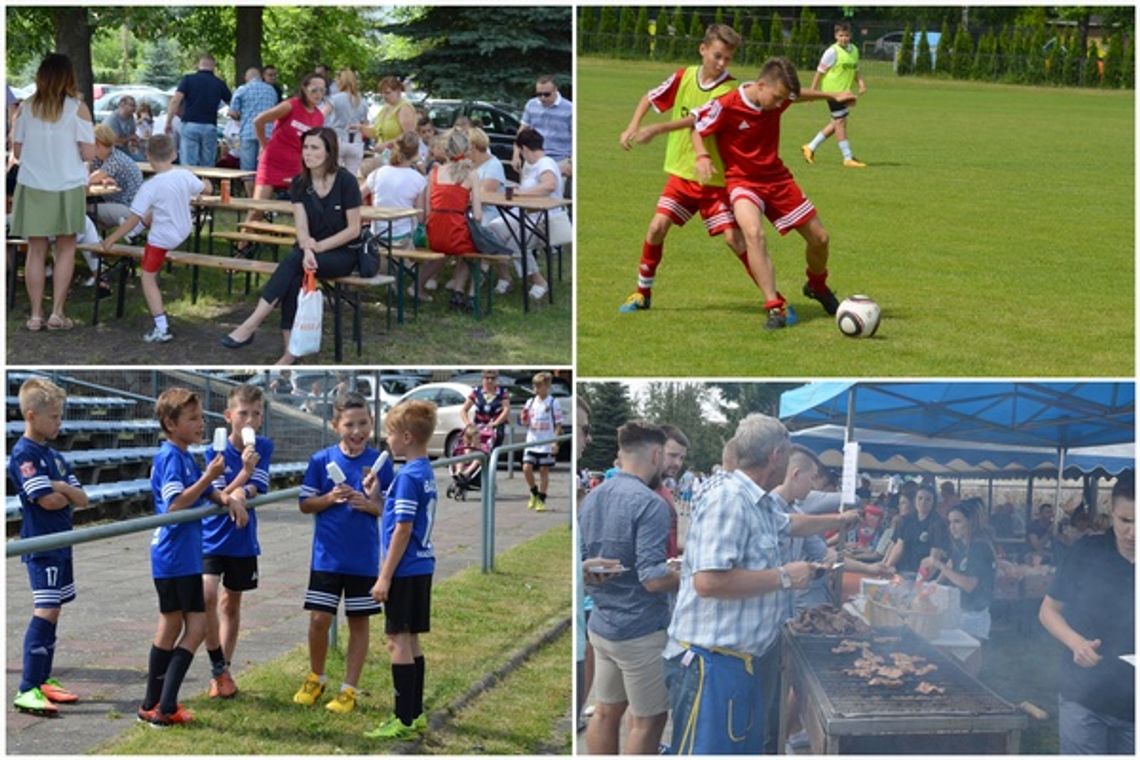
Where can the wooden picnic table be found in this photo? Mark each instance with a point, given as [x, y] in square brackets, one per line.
[205, 172]
[532, 214]
[99, 190]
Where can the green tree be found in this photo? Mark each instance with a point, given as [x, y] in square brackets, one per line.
[904, 59]
[696, 29]
[738, 20]
[609, 409]
[678, 43]
[756, 48]
[626, 21]
[607, 30]
[496, 56]
[943, 55]
[160, 64]
[1128, 76]
[1071, 62]
[1114, 61]
[718, 17]
[743, 399]
[640, 46]
[963, 54]
[984, 58]
[587, 27]
[776, 44]
[1035, 55]
[922, 63]
[686, 405]
[1090, 74]
[809, 41]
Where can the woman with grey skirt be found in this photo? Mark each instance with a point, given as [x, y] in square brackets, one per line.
[52, 139]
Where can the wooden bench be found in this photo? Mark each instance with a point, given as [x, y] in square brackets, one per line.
[269, 228]
[253, 239]
[341, 289]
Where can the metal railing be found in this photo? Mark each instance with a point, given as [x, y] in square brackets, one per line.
[489, 494]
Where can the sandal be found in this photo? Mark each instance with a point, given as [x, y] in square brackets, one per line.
[59, 323]
[34, 324]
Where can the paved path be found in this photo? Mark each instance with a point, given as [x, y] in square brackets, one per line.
[105, 633]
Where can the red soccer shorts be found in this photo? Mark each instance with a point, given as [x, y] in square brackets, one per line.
[782, 202]
[682, 198]
[152, 259]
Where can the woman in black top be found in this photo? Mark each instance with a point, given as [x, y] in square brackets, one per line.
[971, 567]
[326, 211]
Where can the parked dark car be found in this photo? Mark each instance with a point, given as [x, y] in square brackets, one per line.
[500, 122]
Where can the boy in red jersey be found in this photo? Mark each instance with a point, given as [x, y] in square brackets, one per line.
[746, 125]
[685, 90]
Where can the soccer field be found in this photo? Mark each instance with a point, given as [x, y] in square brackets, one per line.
[995, 226]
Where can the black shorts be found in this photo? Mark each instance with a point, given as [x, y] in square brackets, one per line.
[183, 593]
[838, 110]
[238, 573]
[408, 609]
[325, 590]
[538, 458]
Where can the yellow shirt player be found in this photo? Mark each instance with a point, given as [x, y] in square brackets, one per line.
[838, 70]
[685, 90]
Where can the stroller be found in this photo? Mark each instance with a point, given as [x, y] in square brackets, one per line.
[466, 476]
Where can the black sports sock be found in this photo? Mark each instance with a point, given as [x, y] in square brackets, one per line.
[534, 490]
[175, 673]
[217, 662]
[156, 675]
[404, 680]
[542, 495]
[418, 701]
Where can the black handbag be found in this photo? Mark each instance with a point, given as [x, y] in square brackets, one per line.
[368, 258]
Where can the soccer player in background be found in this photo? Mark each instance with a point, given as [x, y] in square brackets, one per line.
[684, 195]
[838, 70]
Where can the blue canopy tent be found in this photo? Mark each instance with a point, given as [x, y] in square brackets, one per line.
[1059, 416]
[902, 453]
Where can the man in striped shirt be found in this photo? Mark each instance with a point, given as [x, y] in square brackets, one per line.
[732, 599]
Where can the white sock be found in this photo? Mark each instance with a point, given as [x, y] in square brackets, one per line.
[323, 678]
[845, 148]
[817, 141]
[160, 323]
[346, 686]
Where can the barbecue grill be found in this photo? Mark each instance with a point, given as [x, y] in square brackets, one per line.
[843, 714]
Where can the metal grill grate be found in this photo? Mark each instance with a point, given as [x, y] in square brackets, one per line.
[850, 696]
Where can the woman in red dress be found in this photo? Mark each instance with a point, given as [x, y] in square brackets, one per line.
[280, 158]
[452, 188]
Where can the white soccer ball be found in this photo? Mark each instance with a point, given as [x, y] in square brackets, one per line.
[858, 317]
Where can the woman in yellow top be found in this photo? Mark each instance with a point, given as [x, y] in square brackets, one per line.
[396, 117]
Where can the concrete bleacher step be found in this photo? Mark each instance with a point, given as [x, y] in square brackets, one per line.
[105, 407]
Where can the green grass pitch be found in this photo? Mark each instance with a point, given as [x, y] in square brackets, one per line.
[995, 226]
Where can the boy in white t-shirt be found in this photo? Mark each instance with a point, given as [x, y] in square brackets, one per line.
[163, 205]
[543, 419]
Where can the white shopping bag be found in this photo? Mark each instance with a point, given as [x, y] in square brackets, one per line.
[306, 336]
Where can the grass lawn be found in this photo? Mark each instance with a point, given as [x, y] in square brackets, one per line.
[995, 226]
[437, 336]
[478, 621]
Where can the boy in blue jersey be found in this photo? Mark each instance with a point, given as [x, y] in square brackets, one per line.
[344, 496]
[48, 491]
[404, 585]
[178, 483]
[229, 553]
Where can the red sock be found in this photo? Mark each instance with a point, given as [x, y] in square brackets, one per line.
[818, 281]
[647, 269]
[776, 303]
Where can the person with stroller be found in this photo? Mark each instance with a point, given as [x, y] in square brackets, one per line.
[465, 475]
[491, 403]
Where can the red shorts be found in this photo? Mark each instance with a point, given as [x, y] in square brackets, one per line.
[152, 259]
[782, 202]
[682, 198]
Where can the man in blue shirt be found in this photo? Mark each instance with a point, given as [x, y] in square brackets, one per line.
[552, 116]
[199, 95]
[623, 527]
[249, 100]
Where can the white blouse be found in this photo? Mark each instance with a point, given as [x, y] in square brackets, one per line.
[49, 157]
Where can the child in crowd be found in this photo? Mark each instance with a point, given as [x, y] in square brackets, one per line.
[398, 185]
[344, 496]
[163, 205]
[404, 585]
[838, 70]
[48, 491]
[462, 473]
[229, 553]
[543, 419]
[178, 483]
